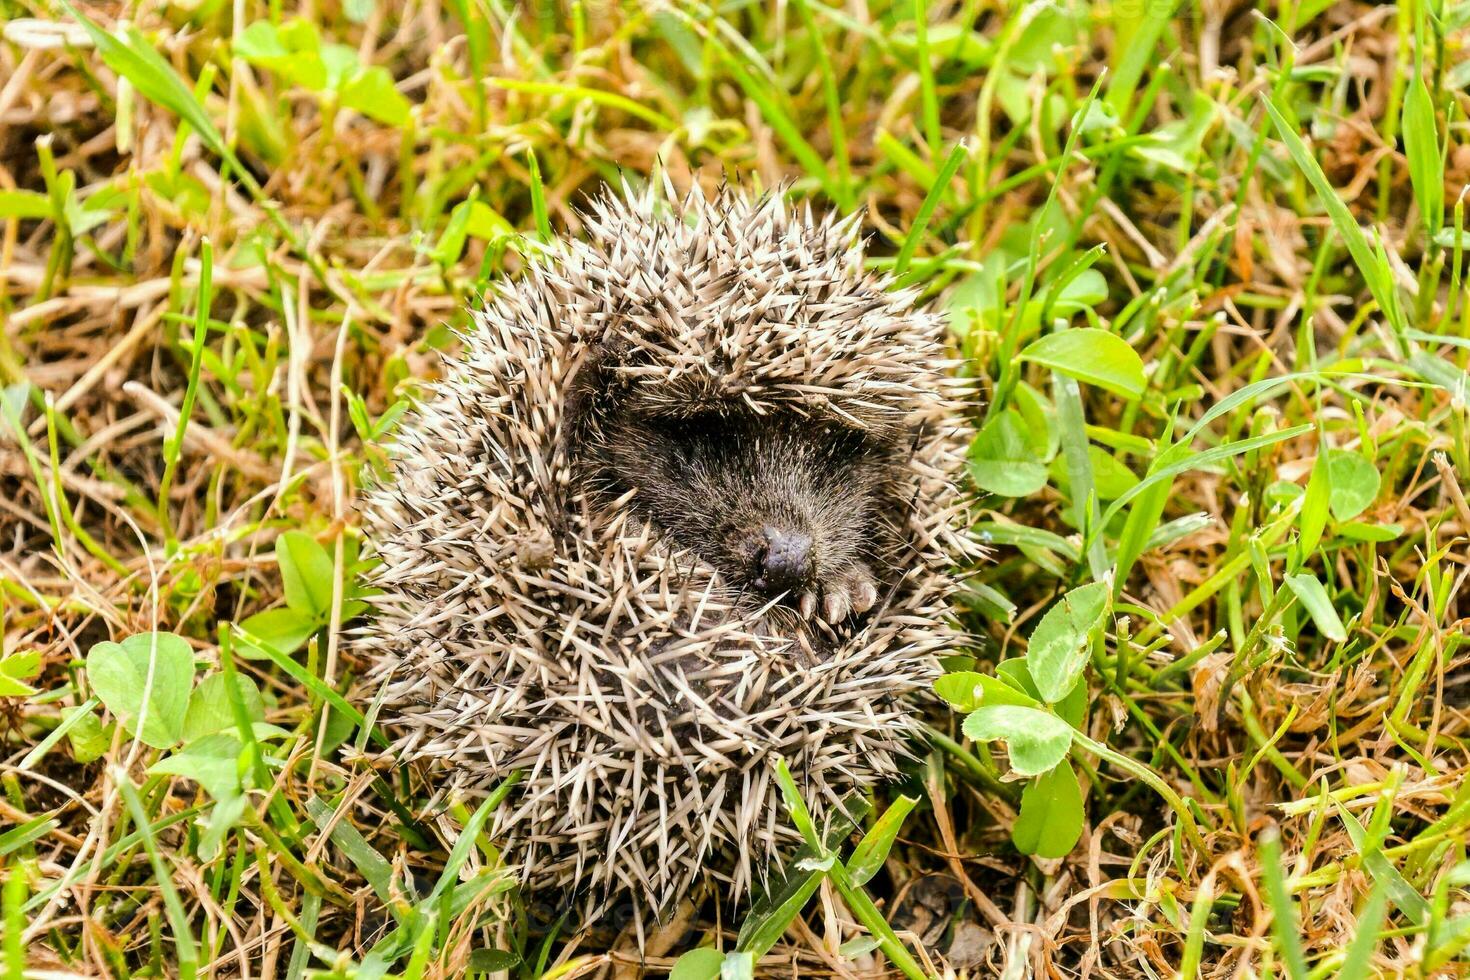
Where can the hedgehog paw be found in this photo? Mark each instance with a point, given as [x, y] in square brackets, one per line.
[854, 593]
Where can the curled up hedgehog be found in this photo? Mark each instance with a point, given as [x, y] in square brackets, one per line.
[685, 506]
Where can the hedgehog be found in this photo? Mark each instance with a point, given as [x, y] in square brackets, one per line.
[687, 504]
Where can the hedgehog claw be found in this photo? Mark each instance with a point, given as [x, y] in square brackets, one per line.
[864, 596]
[834, 607]
[807, 604]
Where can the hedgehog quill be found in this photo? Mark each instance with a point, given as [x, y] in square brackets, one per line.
[685, 505]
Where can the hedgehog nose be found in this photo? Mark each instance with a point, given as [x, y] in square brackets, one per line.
[785, 562]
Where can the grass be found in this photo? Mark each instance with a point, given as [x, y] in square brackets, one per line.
[1211, 262]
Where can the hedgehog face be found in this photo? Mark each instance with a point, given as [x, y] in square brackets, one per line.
[782, 505]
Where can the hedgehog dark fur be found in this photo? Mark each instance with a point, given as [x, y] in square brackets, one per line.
[781, 505]
[685, 506]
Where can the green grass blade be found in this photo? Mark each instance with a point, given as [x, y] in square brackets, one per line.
[832, 99]
[538, 197]
[775, 115]
[936, 193]
[1357, 963]
[1421, 146]
[928, 98]
[173, 447]
[22, 834]
[12, 916]
[868, 857]
[1200, 460]
[1284, 922]
[465, 842]
[610, 100]
[371, 864]
[1378, 276]
[163, 876]
[132, 57]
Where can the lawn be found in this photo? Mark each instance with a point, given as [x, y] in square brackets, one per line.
[1208, 259]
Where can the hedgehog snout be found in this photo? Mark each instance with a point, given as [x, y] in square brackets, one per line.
[784, 561]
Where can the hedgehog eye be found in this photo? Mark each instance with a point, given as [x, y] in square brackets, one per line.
[724, 430]
[700, 425]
